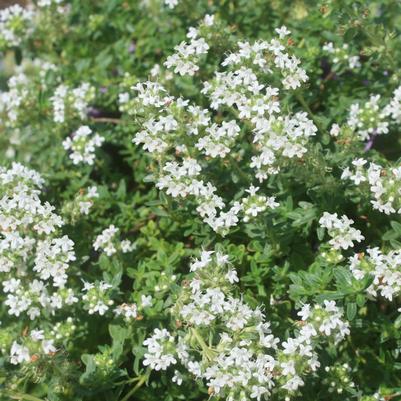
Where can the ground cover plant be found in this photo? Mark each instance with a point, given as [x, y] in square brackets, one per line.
[200, 200]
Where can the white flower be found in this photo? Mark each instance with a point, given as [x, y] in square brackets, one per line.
[177, 378]
[282, 32]
[288, 368]
[171, 3]
[146, 301]
[48, 347]
[83, 145]
[19, 354]
[106, 240]
[11, 285]
[127, 246]
[304, 313]
[393, 109]
[335, 130]
[293, 384]
[37, 335]
[128, 311]
[232, 276]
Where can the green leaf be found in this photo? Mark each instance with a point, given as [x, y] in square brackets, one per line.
[396, 227]
[351, 310]
[397, 322]
[350, 34]
[360, 300]
[118, 333]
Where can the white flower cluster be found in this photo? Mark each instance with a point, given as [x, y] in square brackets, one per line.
[83, 145]
[368, 119]
[109, 242]
[97, 297]
[22, 93]
[384, 184]
[131, 312]
[268, 57]
[33, 259]
[80, 205]
[63, 330]
[218, 140]
[52, 8]
[49, 3]
[15, 25]
[326, 319]
[243, 359]
[171, 3]
[12, 102]
[32, 347]
[342, 234]
[71, 103]
[297, 354]
[340, 55]
[186, 57]
[187, 142]
[339, 378]
[374, 397]
[159, 346]
[254, 204]
[385, 269]
[19, 354]
[18, 24]
[278, 139]
[85, 199]
[393, 109]
[39, 343]
[128, 311]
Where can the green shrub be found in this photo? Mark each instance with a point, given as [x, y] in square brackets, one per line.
[200, 200]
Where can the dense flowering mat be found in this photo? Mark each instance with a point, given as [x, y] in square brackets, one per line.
[200, 200]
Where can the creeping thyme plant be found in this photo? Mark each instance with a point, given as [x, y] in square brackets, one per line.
[200, 200]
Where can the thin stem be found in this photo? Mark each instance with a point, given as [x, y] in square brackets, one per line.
[131, 380]
[136, 388]
[391, 396]
[207, 350]
[238, 169]
[108, 120]
[26, 397]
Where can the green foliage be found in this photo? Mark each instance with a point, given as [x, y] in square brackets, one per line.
[282, 257]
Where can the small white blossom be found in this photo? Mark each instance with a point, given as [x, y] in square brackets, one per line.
[83, 145]
[340, 230]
